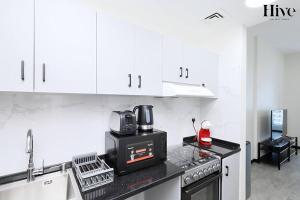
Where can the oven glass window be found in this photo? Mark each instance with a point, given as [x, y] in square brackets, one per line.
[209, 192]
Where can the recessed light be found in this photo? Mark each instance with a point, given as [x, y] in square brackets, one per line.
[258, 3]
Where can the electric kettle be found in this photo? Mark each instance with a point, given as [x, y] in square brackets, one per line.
[144, 117]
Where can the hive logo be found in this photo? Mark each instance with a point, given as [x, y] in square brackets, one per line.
[276, 12]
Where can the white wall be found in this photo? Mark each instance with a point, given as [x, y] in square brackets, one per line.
[292, 92]
[66, 125]
[228, 113]
[270, 71]
[265, 79]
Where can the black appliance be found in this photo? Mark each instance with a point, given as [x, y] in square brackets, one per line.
[144, 117]
[123, 122]
[278, 123]
[130, 153]
[202, 177]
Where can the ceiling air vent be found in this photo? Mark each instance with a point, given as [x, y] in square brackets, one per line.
[215, 15]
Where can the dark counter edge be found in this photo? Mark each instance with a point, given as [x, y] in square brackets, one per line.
[142, 189]
[49, 169]
[234, 147]
[23, 175]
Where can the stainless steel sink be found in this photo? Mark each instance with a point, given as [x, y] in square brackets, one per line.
[58, 186]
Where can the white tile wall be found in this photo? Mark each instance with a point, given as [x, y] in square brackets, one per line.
[66, 125]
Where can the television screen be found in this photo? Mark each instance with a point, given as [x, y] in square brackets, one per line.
[279, 123]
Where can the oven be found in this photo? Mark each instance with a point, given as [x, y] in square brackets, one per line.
[208, 188]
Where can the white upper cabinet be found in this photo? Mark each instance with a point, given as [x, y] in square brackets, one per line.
[189, 65]
[173, 67]
[129, 58]
[148, 62]
[210, 69]
[193, 66]
[65, 46]
[115, 56]
[16, 45]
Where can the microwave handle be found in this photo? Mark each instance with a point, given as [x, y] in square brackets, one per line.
[201, 184]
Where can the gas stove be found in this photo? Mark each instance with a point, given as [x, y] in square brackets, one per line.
[197, 163]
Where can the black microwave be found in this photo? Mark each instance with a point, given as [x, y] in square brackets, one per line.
[130, 153]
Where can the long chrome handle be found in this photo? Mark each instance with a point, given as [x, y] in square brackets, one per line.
[44, 72]
[180, 71]
[129, 75]
[140, 81]
[187, 73]
[22, 70]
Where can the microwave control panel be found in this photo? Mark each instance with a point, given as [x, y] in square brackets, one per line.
[139, 151]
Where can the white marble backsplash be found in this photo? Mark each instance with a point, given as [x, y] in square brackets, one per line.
[66, 125]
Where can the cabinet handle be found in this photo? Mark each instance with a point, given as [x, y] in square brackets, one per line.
[187, 72]
[22, 70]
[129, 76]
[44, 72]
[140, 81]
[227, 171]
[180, 72]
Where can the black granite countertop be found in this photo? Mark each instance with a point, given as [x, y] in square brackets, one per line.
[131, 184]
[220, 147]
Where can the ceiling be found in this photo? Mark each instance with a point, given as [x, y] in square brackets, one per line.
[251, 16]
[186, 18]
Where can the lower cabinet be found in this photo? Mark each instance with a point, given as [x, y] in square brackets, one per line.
[230, 179]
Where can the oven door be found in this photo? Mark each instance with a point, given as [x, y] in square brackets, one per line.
[204, 189]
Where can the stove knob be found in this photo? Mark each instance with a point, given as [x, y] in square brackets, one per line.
[195, 176]
[205, 171]
[200, 173]
[187, 180]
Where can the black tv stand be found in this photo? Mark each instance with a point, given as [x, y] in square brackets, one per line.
[288, 145]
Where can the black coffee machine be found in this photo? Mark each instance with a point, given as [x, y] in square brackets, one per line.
[144, 117]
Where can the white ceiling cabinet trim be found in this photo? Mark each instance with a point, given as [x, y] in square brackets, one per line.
[129, 58]
[65, 46]
[16, 45]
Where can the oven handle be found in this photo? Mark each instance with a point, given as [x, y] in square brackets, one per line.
[198, 185]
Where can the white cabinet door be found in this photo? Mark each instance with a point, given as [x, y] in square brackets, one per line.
[115, 56]
[193, 66]
[173, 67]
[148, 62]
[202, 67]
[16, 45]
[230, 179]
[210, 66]
[65, 43]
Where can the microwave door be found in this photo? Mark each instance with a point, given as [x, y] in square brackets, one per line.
[206, 189]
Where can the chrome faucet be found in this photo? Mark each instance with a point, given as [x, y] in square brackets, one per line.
[31, 172]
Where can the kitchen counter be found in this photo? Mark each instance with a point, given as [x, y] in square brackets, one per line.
[131, 184]
[220, 147]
